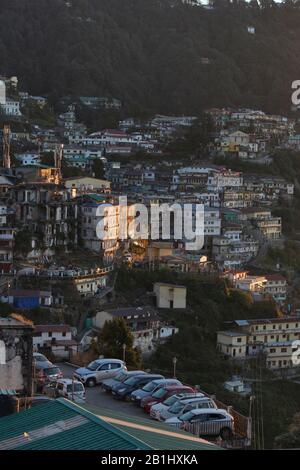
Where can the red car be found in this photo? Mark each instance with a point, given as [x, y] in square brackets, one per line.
[162, 394]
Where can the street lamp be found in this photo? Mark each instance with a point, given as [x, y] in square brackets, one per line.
[174, 366]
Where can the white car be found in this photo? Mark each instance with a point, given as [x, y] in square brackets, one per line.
[185, 405]
[159, 408]
[40, 361]
[99, 370]
[67, 388]
[205, 422]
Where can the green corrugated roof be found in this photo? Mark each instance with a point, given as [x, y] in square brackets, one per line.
[96, 197]
[59, 425]
[157, 435]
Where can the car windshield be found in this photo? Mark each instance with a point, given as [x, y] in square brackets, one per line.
[52, 371]
[93, 365]
[160, 393]
[170, 401]
[149, 387]
[76, 387]
[186, 416]
[120, 377]
[176, 408]
[131, 381]
[40, 358]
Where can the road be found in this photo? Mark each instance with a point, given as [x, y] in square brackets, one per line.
[96, 397]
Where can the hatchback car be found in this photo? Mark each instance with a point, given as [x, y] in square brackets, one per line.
[206, 422]
[160, 408]
[47, 374]
[108, 384]
[133, 383]
[161, 394]
[182, 406]
[99, 370]
[67, 388]
[40, 361]
[150, 388]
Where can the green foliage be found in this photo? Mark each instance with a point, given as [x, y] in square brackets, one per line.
[98, 168]
[150, 54]
[5, 309]
[290, 439]
[41, 116]
[113, 335]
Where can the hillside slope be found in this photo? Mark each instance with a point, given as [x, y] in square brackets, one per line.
[150, 54]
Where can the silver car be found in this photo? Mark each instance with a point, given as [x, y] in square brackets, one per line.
[40, 361]
[99, 370]
[206, 422]
[185, 405]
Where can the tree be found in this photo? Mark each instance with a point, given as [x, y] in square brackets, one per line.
[98, 168]
[114, 334]
[290, 439]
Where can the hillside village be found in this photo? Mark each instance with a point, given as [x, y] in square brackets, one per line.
[67, 283]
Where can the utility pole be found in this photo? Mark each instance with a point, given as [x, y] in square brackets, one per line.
[174, 366]
[58, 156]
[6, 146]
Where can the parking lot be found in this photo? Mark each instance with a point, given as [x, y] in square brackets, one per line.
[96, 397]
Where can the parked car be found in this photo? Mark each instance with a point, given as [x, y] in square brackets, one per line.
[40, 361]
[44, 375]
[161, 394]
[121, 377]
[185, 405]
[150, 388]
[133, 383]
[206, 422]
[99, 370]
[159, 408]
[67, 388]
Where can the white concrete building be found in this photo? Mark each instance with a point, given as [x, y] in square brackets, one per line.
[170, 295]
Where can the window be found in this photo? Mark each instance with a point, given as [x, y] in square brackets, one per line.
[50, 334]
[283, 350]
[104, 367]
[239, 340]
[64, 334]
[115, 365]
[272, 350]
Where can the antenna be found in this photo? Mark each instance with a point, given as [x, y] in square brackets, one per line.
[6, 146]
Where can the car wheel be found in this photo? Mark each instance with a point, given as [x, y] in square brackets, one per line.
[91, 383]
[226, 433]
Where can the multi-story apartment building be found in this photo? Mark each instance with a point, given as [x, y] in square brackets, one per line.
[49, 211]
[90, 216]
[275, 338]
[276, 286]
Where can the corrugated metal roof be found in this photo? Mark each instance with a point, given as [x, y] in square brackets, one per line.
[6, 391]
[242, 322]
[157, 435]
[59, 425]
